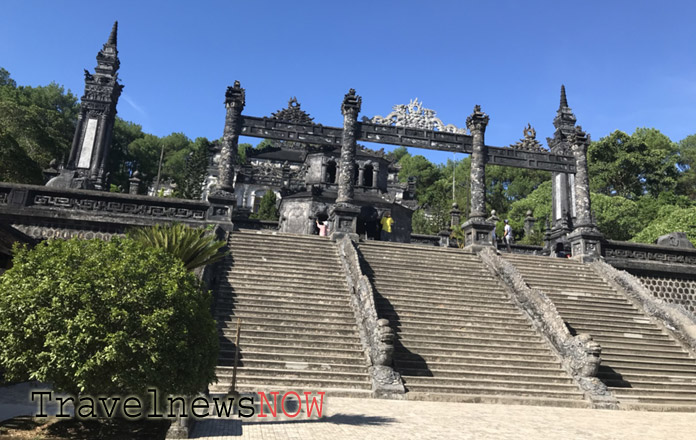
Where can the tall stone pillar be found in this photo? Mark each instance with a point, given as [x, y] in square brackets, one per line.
[222, 199]
[343, 215]
[563, 191]
[350, 109]
[585, 240]
[361, 176]
[375, 174]
[477, 231]
[234, 103]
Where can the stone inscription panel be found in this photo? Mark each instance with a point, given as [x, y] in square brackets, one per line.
[88, 144]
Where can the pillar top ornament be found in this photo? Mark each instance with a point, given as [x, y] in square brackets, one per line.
[478, 120]
[351, 103]
[414, 115]
[235, 96]
[529, 142]
[579, 138]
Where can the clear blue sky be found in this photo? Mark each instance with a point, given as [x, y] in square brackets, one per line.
[625, 64]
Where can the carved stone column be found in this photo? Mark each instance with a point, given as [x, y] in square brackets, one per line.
[585, 240]
[343, 215]
[477, 231]
[134, 183]
[350, 109]
[361, 176]
[322, 178]
[222, 199]
[375, 174]
[234, 103]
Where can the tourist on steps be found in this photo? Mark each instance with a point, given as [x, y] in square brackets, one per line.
[507, 235]
[323, 228]
[387, 222]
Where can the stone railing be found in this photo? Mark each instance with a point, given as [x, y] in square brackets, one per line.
[375, 334]
[673, 316]
[580, 355]
[649, 257]
[247, 223]
[432, 240]
[19, 201]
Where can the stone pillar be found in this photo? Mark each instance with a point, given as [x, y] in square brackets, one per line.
[222, 199]
[477, 231]
[585, 240]
[322, 178]
[361, 176]
[134, 187]
[455, 215]
[529, 224]
[350, 109]
[375, 174]
[234, 103]
[343, 215]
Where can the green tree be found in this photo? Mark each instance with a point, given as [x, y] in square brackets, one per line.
[194, 247]
[686, 163]
[631, 166]
[267, 208]
[104, 318]
[120, 164]
[669, 219]
[190, 183]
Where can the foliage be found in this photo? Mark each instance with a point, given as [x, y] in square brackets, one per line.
[267, 207]
[631, 166]
[105, 317]
[120, 163]
[686, 163]
[670, 219]
[190, 183]
[36, 126]
[539, 202]
[194, 247]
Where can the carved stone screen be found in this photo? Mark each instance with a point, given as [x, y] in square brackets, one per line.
[673, 290]
[88, 144]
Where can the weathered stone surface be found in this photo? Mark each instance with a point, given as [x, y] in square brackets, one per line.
[350, 109]
[675, 239]
[376, 335]
[234, 103]
[476, 123]
[673, 316]
[581, 356]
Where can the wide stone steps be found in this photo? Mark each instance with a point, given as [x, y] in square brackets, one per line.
[459, 334]
[298, 330]
[643, 365]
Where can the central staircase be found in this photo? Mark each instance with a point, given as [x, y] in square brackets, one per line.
[642, 364]
[298, 331]
[460, 337]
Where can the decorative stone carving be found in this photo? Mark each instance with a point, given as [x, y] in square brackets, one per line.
[293, 113]
[414, 115]
[376, 335]
[675, 239]
[529, 142]
[580, 354]
[476, 123]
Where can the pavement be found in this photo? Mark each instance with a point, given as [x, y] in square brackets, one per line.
[346, 418]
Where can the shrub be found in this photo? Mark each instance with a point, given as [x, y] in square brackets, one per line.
[96, 317]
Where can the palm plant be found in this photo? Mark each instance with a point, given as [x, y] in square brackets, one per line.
[195, 247]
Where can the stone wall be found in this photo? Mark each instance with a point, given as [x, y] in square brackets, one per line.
[672, 289]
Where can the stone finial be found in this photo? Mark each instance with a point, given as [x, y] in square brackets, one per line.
[235, 96]
[478, 120]
[134, 183]
[351, 102]
[529, 142]
[564, 100]
[579, 137]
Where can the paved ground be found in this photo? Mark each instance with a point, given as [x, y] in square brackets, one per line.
[405, 420]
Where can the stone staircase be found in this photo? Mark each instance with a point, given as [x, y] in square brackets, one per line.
[459, 335]
[298, 330]
[642, 364]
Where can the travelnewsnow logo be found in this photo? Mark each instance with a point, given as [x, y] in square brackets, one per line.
[272, 404]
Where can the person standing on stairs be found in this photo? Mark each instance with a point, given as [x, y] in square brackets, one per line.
[387, 222]
[507, 235]
[323, 228]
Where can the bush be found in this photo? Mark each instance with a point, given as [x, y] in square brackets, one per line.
[670, 219]
[96, 317]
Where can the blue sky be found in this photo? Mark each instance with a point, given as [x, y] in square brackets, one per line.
[625, 64]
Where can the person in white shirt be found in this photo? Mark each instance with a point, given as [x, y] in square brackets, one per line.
[507, 235]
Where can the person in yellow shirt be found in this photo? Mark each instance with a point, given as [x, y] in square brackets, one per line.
[387, 222]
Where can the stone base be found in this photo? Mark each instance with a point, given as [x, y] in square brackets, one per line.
[222, 204]
[343, 221]
[386, 383]
[478, 234]
[586, 243]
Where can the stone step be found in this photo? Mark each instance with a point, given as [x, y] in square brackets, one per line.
[483, 335]
[285, 373]
[440, 355]
[295, 383]
[355, 368]
[651, 393]
[427, 326]
[419, 301]
[279, 241]
[284, 262]
[627, 321]
[488, 371]
[446, 313]
[405, 317]
[619, 364]
[251, 290]
[285, 298]
[647, 357]
[329, 275]
[430, 284]
[473, 342]
[495, 390]
[511, 384]
[434, 349]
[454, 293]
[291, 336]
[308, 318]
[654, 350]
[249, 341]
[582, 309]
[654, 384]
[589, 303]
[285, 285]
[259, 353]
[595, 325]
[294, 321]
[249, 387]
[449, 308]
[260, 324]
[354, 352]
[474, 362]
[300, 309]
[419, 269]
[647, 374]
